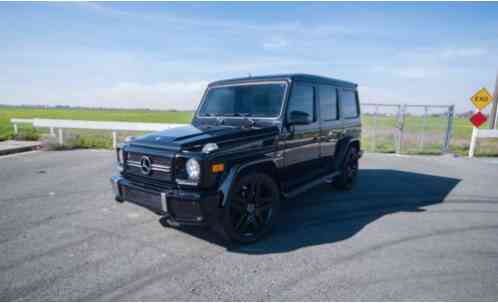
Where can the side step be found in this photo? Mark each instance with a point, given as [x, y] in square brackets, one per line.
[305, 187]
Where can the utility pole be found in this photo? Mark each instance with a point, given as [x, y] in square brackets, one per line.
[493, 115]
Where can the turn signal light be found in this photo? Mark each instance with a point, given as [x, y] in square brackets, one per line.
[218, 168]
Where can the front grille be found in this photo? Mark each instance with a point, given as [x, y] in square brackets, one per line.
[160, 167]
[149, 183]
[165, 161]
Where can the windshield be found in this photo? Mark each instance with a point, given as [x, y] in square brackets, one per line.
[249, 100]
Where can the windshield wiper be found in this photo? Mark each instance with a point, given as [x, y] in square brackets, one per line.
[215, 114]
[229, 114]
[244, 114]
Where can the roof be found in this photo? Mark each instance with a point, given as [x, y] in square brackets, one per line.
[296, 77]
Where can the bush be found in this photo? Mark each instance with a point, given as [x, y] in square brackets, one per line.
[6, 132]
[74, 141]
[27, 134]
[5, 135]
[82, 141]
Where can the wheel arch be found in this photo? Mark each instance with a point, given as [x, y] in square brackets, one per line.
[343, 147]
[267, 166]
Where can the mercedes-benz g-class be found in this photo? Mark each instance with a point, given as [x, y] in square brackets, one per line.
[252, 143]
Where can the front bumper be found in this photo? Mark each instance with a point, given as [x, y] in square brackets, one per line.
[187, 207]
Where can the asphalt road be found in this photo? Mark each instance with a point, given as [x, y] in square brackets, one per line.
[415, 228]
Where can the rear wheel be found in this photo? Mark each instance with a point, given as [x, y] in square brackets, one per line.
[349, 170]
[253, 205]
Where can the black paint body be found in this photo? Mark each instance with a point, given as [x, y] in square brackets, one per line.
[295, 155]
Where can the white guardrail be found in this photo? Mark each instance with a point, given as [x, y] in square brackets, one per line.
[480, 133]
[114, 126]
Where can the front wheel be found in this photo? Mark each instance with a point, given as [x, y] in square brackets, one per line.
[253, 205]
[349, 170]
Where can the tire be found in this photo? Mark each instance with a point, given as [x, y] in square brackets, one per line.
[349, 170]
[253, 205]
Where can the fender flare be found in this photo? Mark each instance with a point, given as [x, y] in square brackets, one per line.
[232, 175]
[343, 148]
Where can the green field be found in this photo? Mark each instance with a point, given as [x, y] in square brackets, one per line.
[432, 135]
[82, 138]
[379, 138]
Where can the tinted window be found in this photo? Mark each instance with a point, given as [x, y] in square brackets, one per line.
[349, 104]
[261, 100]
[302, 100]
[328, 103]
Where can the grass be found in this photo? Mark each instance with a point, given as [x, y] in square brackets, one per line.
[82, 138]
[418, 139]
[415, 141]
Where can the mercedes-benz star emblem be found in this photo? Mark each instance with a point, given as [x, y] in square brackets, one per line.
[146, 165]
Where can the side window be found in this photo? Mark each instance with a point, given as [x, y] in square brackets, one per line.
[328, 103]
[349, 104]
[302, 99]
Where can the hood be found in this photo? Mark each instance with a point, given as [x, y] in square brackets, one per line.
[191, 136]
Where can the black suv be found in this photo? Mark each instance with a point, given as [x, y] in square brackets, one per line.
[252, 143]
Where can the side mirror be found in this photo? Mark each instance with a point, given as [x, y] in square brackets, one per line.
[297, 117]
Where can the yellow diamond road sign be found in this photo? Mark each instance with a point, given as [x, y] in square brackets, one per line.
[481, 99]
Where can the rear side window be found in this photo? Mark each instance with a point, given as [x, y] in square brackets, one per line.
[349, 104]
[302, 99]
[328, 103]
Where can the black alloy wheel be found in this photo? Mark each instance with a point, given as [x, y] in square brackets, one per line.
[253, 205]
[347, 178]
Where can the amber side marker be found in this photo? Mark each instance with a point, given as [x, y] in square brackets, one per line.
[218, 168]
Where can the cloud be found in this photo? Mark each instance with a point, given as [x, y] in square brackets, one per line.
[373, 94]
[443, 53]
[105, 10]
[289, 29]
[455, 53]
[414, 72]
[409, 72]
[275, 44]
[181, 95]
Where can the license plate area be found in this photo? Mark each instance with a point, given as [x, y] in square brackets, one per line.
[143, 198]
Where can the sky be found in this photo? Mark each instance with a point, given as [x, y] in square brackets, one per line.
[162, 55]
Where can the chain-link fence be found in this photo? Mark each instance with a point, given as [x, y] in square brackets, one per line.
[400, 128]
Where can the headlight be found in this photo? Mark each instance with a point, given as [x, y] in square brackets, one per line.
[193, 169]
[209, 147]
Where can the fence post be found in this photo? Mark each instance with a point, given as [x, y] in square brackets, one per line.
[374, 143]
[424, 125]
[401, 126]
[449, 129]
[114, 139]
[15, 128]
[52, 133]
[473, 140]
[61, 139]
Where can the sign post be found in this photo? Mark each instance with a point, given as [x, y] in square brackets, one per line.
[480, 99]
[494, 109]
